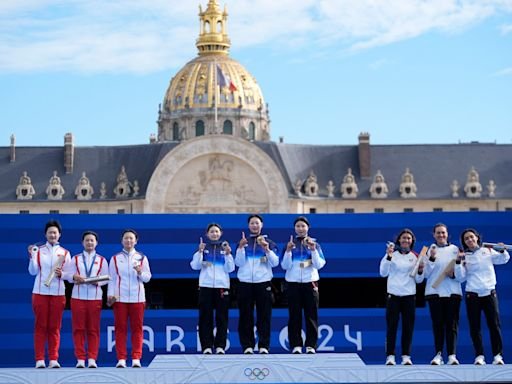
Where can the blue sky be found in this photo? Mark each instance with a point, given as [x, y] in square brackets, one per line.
[406, 71]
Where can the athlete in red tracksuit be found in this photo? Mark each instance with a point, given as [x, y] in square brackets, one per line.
[47, 263]
[86, 300]
[129, 270]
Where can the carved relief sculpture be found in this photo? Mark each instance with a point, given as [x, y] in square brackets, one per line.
[297, 187]
[311, 187]
[349, 189]
[84, 189]
[473, 188]
[55, 191]
[25, 190]
[407, 186]
[379, 188]
[123, 187]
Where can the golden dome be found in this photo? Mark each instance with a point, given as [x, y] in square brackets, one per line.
[213, 93]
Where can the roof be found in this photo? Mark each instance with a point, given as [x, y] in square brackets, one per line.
[434, 166]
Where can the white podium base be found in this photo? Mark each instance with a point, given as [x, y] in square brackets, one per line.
[319, 368]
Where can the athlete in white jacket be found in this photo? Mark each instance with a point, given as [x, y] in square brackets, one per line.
[87, 300]
[129, 270]
[48, 264]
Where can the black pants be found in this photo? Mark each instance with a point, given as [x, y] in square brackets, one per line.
[249, 295]
[303, 297]
[489, 305]
[444, 313]
[210, 300]
[404, 306]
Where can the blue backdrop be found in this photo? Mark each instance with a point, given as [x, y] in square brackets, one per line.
[353, 245]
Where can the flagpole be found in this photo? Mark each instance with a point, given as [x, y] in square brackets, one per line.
[215, 94]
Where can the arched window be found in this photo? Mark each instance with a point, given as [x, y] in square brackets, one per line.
[199, 128]
[175, 132]
[228, 127]
[207, 26]
[252, 131]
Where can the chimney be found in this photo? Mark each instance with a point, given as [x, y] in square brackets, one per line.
[13, 148]
[68, 152]
[365, 161]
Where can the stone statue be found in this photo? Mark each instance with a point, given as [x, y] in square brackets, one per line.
[297, 187]
[455, 188]
[25, 190]
[136, 188]
[330, 188]
[103, 190]
[491, 188]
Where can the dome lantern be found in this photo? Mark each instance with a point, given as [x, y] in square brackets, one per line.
[213, 38]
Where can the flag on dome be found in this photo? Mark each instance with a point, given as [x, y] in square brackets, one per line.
[224, 80]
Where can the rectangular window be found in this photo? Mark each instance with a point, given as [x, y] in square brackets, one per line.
[508, 209]
[54, 211]
[83, 211]
[120, 211]
[349, 210]
[408, 210]
[438, 210]
[474, 209]
[312, 210]
[378, 210]
[24, 211]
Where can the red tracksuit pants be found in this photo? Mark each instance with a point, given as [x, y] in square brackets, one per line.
[47, 323]
[85, 321]
[133, 313]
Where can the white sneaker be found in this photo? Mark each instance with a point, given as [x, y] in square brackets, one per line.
[53, 364]
[438, 359]
[80, 363]
[220, 351]
[406, 360]
[207, 351]
[480, 360]
[40, 364]
[248, 351]
[498, 360]
[92, 363]
[452, 360]
[310, 350]
[263, 351]
[297, 350]
[136, 363]
[390, 360]
[121, 363]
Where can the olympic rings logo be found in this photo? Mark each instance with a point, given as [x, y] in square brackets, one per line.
[256, 373]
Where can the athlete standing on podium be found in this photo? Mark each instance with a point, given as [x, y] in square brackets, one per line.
[302, 259]
[255, 258]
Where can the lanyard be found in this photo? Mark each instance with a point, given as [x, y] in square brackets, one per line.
[88, 271]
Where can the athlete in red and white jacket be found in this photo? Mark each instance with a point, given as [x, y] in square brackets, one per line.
[129, 270]
[48, 263]
[86, 300]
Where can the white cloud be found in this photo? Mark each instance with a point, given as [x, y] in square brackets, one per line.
[504, 72]
[146, 36]
[506, 29]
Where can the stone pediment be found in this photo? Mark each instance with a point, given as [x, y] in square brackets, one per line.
[216, 174]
